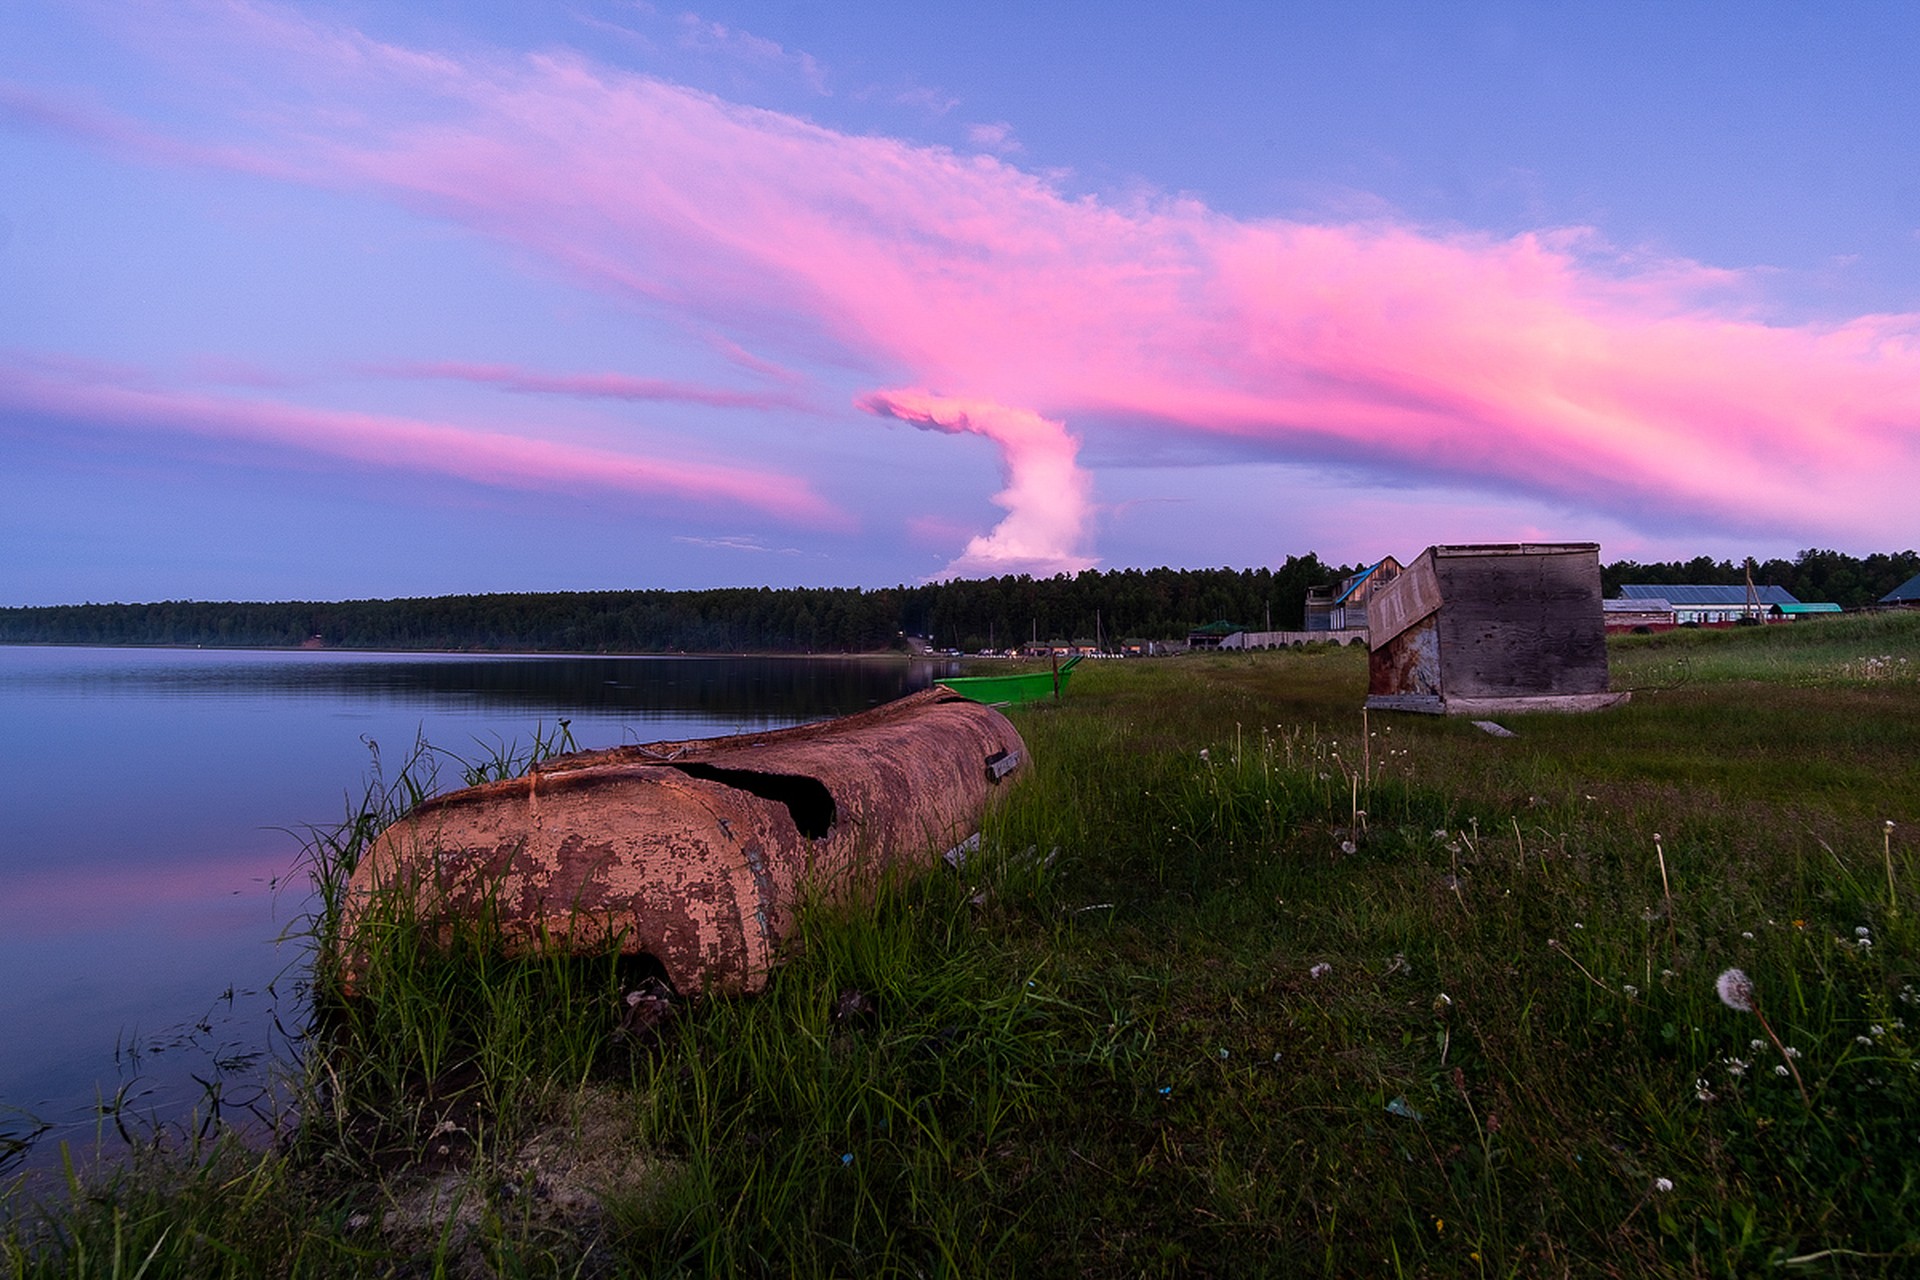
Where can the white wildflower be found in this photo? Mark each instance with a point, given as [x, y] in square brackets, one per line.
[1663, 1185]
[1320, 970]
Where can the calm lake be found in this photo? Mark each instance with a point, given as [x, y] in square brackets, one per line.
[157, 803]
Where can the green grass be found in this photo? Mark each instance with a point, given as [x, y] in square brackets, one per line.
[1240, 983]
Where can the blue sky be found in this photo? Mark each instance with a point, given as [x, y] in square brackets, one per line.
[333, 300]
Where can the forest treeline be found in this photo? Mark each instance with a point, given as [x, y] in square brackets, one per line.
[969, 614]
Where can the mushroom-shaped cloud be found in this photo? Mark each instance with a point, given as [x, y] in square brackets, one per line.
[1047, 496]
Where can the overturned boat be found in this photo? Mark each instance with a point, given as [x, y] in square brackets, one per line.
[694, 853]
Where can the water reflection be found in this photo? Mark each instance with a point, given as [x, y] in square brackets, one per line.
[149, 860]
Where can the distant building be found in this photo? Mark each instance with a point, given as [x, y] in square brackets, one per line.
[1491, 628]
[1342, 606]
[1710, 603]
[1213, 635]
[1788, 612]
[1638, 615]
[1907, 593]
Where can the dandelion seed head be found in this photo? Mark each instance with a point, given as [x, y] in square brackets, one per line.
[1735, 989]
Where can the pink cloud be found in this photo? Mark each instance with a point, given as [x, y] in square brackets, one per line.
[607, 386]
[1048, 498]
[1546, 365]
[386, 442]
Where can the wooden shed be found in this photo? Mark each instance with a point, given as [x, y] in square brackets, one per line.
[1478, 630]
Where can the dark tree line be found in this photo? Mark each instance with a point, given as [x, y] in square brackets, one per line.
[1153, 604]
[1145, 604]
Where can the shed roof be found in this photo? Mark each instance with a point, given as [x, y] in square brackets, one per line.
[1907, 592]
[1731, 596]
[1790, 610]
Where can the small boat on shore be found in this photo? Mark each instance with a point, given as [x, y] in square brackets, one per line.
[698, 853]
[1015, 689]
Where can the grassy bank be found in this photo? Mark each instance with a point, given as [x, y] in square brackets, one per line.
[1239, 984]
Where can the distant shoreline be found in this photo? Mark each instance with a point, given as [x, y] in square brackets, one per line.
[865, 655]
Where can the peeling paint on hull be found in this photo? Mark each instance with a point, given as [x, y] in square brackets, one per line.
[696, 853]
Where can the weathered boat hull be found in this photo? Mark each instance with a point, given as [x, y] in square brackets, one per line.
[695, 853]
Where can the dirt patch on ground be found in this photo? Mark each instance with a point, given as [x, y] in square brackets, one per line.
[562, 1181]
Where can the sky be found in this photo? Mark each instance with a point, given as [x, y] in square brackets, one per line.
[349, 299]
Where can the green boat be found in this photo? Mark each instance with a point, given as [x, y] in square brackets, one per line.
[1012, 690]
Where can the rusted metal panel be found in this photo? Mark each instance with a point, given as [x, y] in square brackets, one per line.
[1409, 664]
[1398, 604]
[696, 853]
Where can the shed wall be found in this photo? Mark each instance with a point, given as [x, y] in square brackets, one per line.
[1521, 625]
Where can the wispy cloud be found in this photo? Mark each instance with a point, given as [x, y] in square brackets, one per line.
[1547, 365]
[934, 102]
[106, 399]
[996, 137]
[604, 386]
[708, 36]
[736, 542]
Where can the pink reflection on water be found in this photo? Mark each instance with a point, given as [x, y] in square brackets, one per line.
[57, 902]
